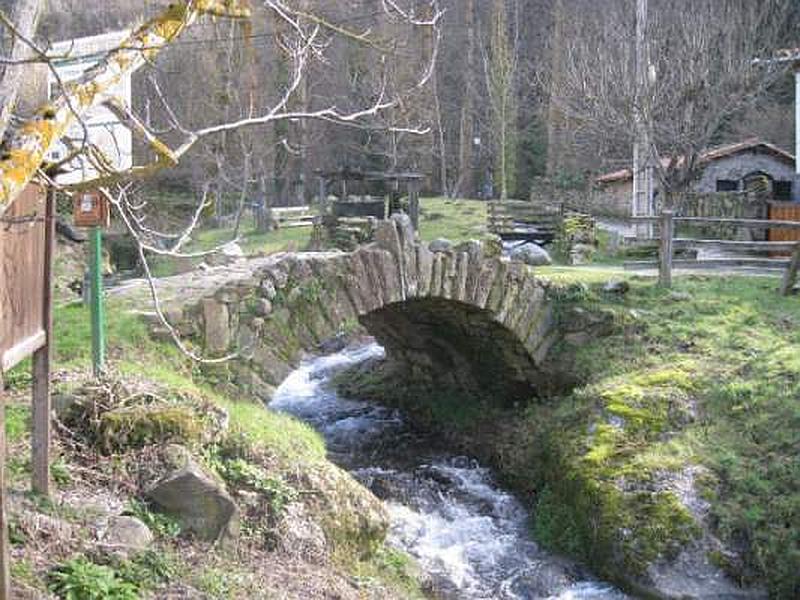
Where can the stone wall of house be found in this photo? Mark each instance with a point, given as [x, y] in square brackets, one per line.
[740, 165]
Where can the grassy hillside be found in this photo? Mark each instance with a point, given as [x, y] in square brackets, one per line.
[453, 219]
[99, 461]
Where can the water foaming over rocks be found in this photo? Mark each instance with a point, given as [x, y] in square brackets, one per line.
[468, 534]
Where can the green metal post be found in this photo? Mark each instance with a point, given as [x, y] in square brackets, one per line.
[96, 304]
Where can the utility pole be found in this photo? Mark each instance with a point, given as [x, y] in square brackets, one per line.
[642, 201]
[557, 161]
[796, 193]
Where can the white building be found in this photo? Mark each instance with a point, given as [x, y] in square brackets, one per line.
[104, 130]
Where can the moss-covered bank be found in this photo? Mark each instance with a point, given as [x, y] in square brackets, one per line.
[679, 431]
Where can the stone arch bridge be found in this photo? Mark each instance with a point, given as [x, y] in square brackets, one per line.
[462, 315]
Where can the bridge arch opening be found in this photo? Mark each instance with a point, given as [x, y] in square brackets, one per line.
[453, 344]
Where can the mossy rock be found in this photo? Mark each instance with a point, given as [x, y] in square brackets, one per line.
[125, 429]
[354, 521]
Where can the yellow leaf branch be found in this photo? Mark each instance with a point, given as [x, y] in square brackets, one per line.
[26, 150]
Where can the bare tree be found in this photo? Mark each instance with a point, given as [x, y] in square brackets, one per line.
[702, 76]
[501, 63]
[305, 38]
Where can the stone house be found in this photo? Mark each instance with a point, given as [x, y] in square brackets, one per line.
[749, 166]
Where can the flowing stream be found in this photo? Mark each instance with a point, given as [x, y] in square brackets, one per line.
[468, 534]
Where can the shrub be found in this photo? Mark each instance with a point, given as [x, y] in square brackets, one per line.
[148, 569]
[242, 473]
[160, 524]
[81, 579]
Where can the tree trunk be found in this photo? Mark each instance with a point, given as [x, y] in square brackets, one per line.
[503, 164]
[25, 18]
[263, 214]
[437, 105]
[556, 122]
[466, 166]
[242, 196]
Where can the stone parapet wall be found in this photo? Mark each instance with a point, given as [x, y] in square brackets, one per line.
[732, 205]
[612, 200]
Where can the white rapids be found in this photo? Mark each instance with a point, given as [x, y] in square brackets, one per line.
[470, 536]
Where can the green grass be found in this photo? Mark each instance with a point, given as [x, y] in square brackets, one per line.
[456, 220]
[394, 567]
[125, 333]
[280, 240]
[452, 219]
[289, 439]
[79, 578]
[18, 421]
[252, 243]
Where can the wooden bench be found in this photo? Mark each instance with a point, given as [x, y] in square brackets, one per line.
[293, 216]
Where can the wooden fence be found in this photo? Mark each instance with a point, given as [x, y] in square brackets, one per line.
[668, 243]
[27, 237]
[784, 211]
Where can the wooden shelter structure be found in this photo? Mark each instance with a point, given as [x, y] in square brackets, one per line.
[386, 185]
[27, 237]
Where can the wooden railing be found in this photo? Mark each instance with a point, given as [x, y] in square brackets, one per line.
[668, 243]
[515, 219]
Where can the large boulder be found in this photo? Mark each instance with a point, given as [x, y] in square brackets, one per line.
[618, 287]
[581, 254]
[354, 521]
[226, 255]
[198, 501]
[440, 245]
[531, 254]
[301, 536]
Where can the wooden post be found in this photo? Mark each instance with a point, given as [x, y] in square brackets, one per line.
[323, 197]
[413, 202]
[5, 576]
[41, 436]
[790, 276]
[98, 312]
[665, 251]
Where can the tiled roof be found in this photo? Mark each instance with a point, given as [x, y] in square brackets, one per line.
[709, 155]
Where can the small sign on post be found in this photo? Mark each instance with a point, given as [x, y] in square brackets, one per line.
[91, 209]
